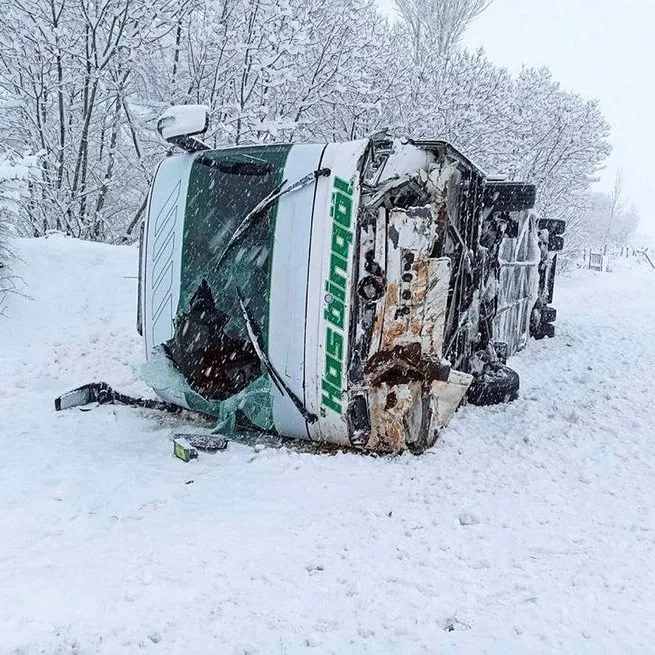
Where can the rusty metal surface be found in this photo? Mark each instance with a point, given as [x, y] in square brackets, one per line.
[411, 392]
[413, 287]
[390, 407]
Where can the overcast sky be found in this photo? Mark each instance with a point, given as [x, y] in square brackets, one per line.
[599, 48]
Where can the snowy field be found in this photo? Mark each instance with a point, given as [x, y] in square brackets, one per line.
[529, 528]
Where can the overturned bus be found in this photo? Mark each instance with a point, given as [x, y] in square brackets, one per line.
[350, 293]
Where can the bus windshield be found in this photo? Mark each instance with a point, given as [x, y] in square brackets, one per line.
[211, 346]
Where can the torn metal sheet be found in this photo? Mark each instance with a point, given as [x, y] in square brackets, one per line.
[407, 406]
[413, 282]
[449, 395]
[396, 414]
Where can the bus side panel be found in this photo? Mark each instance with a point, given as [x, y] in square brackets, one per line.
[288, 289]
[329, 302]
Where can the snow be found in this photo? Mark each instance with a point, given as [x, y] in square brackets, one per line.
[529, 527]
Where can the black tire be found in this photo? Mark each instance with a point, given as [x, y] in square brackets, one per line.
[553, 225]
[509, 196]
[555, 243]
[548, 315]
[541, 321]
[545, 330]
[495, 386]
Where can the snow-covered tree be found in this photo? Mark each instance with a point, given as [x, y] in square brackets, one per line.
[16, 175]
[66, 70]
[82, 82]
[602, 223]
[559, 142]
[436, 26]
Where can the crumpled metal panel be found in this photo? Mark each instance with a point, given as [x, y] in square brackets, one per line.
[410, 414]
[393, 415]
[417, 285]
[449, 395]
[411, 392]
[435, 310]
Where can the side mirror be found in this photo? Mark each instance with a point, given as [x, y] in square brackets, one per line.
[180, 123]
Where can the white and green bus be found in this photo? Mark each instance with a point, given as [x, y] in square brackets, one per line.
[335, 292]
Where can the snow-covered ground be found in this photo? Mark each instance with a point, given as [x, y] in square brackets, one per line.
[528, 528]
